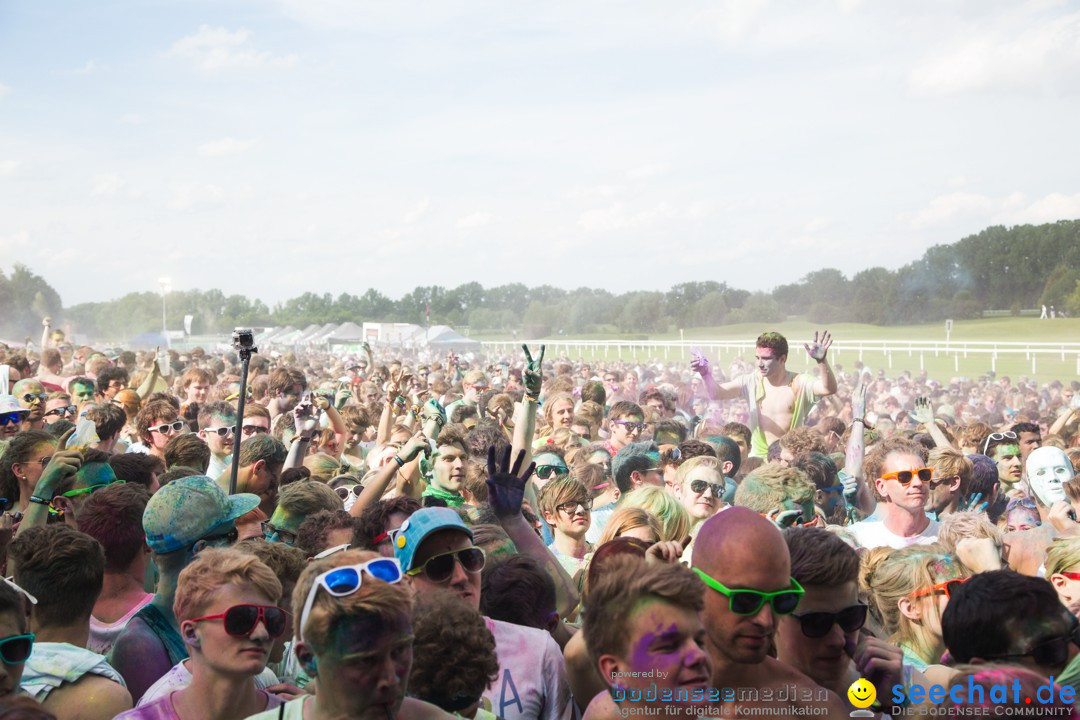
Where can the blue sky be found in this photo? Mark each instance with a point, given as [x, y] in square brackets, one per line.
[273, 147]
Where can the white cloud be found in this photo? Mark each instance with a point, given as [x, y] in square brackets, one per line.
[976, 209]
[215, 48]
[106, 185]
[1017, 53]
[86, 69]
[187, 195]
[225, 146]
[646, 171]
[477, 219]
[594, 191]
[8, 167]
[4, 89]
[417, 212]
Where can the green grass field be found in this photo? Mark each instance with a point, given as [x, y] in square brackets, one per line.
[1049, 366]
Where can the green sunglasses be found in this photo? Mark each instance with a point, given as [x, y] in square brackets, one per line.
[749, 602]
[90, 489]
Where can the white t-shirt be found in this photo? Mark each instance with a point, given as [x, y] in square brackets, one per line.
[531, 684]
[180, 677]
[873, 533]
[103, 635]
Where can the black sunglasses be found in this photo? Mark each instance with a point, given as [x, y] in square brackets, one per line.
[1049, 653]
[253, 429]
[698, 486]
[16, 649]
[440, 568]
[65, 410]
[818, 625]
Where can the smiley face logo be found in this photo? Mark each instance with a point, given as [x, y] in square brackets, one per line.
[862, 693]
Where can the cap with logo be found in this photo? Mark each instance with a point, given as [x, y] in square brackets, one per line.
[418, 526]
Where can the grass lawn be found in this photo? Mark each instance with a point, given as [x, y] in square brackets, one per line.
[942, 366]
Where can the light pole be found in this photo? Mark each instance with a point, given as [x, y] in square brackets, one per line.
[163, 283]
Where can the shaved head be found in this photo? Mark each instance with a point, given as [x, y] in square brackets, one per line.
[742, 550]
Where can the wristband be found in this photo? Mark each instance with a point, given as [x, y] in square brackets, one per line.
[39, 500]
[301, 438]
[863, 421]
[399, 461]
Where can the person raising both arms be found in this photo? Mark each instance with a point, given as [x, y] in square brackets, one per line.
[779, 399]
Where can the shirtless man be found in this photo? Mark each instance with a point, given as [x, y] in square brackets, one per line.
[779, 399]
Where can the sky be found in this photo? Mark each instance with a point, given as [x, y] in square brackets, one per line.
[275, 147]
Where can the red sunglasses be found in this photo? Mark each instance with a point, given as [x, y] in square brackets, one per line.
[241, 620]
[947, 587]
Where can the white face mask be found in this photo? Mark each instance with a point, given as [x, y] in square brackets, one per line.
[1048, 469]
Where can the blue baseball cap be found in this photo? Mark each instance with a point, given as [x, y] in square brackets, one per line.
[418, 526]
[186, 510]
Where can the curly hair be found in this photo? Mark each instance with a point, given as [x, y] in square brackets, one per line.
[454, 657]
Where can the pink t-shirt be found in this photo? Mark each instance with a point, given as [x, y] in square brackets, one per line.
[163, 708]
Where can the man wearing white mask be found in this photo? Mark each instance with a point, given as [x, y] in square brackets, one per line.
[1048, 469]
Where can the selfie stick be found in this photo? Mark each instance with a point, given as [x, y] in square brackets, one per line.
[243, 341]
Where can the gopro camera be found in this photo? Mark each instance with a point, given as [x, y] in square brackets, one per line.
[243, 339]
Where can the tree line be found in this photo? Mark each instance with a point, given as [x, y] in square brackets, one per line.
[997, 269]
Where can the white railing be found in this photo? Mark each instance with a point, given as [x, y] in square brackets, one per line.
[886, 349]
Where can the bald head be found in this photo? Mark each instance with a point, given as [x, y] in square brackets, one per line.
[741, 550]
[736, 537]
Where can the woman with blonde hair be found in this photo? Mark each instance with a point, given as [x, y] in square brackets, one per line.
[558, 413]
[323, 467]
[631, 522]
[908, 590]
[672, 516]
[1063, 569]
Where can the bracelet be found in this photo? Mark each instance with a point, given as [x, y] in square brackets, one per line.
[39, 500]
[863, 421]
[399, 461]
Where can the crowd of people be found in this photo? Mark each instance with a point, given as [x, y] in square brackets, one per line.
[410, 536]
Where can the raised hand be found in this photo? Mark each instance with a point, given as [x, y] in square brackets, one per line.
[417, 444]
[972, 503]
[533, 375]
[858, 402]
[818, 349]
[506, 484]
[786, 518]
[878, 661]
[851, 485]
[924, 411]
[699, 363]
[666, 551]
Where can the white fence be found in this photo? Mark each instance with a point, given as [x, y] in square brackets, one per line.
[848, 350]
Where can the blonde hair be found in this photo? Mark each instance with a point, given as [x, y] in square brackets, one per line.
[888, 576]
[694, 463]
[549, 406]
[1063, 553]
[211, 571]
[960, 525]
[628, 518]
[673, 518]
[374, 597]
[323, 466]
